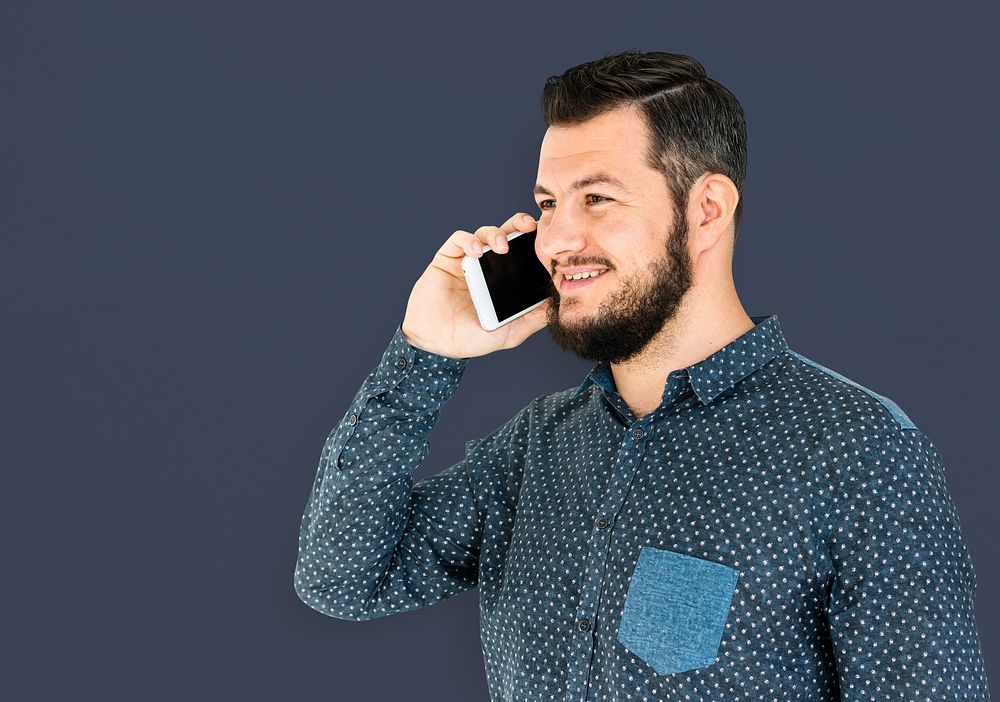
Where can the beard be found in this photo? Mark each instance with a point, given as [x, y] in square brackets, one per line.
[629, 318]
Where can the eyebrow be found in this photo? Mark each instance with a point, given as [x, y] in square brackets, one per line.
[592, 179]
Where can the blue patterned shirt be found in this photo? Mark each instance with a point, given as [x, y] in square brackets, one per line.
[773, 531]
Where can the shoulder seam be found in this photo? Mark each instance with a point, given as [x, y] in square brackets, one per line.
[903, 421]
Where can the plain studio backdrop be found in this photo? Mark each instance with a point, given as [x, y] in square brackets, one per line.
[212, 214]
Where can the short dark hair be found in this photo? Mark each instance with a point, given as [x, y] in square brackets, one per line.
[697, 125]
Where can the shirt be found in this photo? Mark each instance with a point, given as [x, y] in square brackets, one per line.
[772, 531]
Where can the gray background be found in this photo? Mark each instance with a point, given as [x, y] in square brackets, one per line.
[212, 214]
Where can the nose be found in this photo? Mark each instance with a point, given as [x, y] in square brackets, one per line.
[558, 237]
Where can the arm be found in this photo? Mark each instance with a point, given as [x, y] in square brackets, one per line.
[901, 604]
[372, 543]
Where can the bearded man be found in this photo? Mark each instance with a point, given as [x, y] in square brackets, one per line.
[709, 515]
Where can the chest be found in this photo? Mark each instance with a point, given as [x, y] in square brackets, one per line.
[733, 498]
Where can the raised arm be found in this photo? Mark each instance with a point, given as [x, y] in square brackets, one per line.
[371, 542]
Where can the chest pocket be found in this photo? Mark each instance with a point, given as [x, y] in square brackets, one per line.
[676, 609]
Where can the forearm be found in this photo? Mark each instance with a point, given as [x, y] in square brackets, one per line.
[361, 521]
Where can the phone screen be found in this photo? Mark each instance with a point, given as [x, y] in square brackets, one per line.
[516, 279]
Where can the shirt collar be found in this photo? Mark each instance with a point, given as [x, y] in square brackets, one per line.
[723, 369]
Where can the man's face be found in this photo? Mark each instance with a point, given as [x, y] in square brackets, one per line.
[630, 233]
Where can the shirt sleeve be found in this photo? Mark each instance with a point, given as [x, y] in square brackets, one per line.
[371, 543]
[900, 609]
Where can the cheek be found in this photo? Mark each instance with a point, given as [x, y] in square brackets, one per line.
[540, 238]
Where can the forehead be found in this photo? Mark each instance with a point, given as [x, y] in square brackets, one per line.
[614, 142]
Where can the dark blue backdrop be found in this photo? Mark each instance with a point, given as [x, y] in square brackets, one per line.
[211, 217]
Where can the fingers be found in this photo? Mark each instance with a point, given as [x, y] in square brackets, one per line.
[496, 237]
[522, 221]
[463, 243]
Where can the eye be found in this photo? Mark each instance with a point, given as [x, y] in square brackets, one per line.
[541, 205]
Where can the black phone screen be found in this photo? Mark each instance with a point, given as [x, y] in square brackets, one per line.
[516, 280]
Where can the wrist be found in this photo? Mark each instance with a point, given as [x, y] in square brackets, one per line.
[416, 343]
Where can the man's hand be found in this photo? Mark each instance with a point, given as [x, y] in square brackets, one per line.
[440, 317]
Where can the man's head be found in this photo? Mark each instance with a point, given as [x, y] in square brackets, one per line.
[675, 142]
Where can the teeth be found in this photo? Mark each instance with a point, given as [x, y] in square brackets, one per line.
[581, 276]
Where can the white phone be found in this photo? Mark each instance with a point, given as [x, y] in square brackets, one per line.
[508, 285]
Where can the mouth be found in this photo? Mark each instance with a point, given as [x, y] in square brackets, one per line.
[571, 284]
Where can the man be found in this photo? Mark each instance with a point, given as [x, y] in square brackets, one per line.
[709, 515]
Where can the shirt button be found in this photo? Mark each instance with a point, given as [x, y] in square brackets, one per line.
[400, 363]
[637, 434]
[602, 522]
[584, 625]
[352, 420]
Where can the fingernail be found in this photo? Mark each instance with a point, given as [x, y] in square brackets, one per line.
[527, 219]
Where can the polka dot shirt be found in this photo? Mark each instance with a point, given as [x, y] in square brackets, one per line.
[772, 531]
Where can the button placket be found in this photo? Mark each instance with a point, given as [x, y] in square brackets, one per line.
[629, 457]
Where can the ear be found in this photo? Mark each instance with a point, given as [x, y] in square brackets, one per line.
[712, 205]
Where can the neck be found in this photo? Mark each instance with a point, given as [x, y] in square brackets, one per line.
[706, 320]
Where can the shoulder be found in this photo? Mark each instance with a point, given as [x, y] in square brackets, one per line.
[542, 410]
[562, 406]
[829, 395]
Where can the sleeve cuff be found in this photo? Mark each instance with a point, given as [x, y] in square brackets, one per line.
[437, 375]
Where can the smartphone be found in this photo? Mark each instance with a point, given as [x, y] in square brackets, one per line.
[505, 286]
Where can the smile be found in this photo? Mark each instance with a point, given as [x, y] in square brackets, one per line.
[579, 280]
[581, 276]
